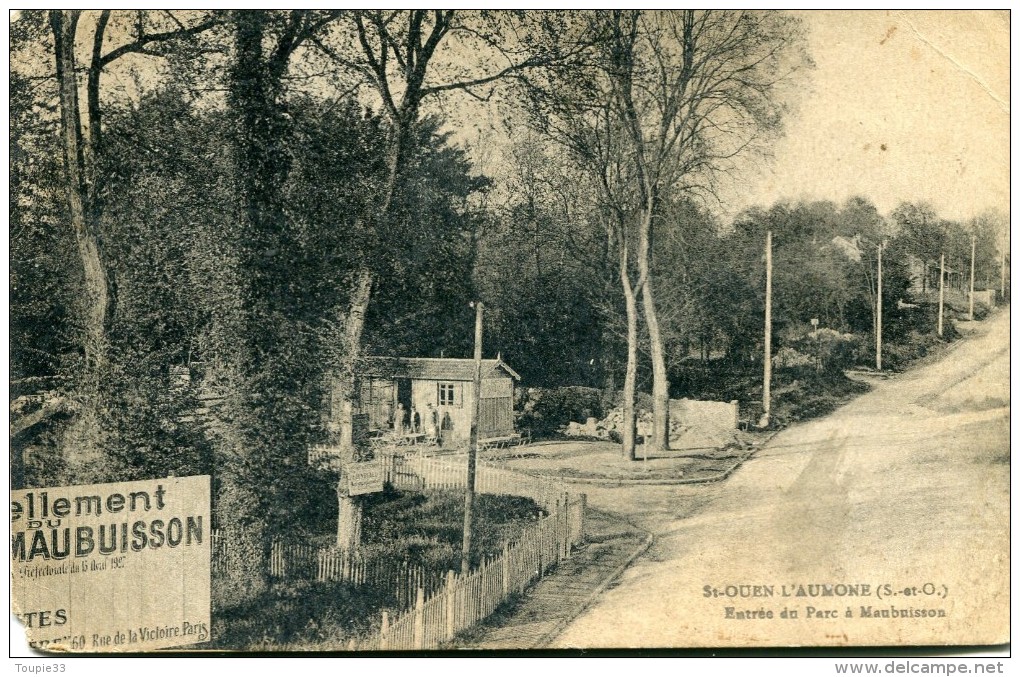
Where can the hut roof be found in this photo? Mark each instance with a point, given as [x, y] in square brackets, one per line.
[433, 368]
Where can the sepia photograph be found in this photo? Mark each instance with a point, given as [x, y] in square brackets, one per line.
[377, 332]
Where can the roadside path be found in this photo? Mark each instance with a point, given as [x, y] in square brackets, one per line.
[542, 612]
[906, 486]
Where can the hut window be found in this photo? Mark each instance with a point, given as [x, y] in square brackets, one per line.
[447, 394]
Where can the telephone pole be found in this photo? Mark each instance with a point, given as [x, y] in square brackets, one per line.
[942, 288]
[973, 249]
[1002, 276]
[878, 314]
[766, 391]
[1002, 259]
[469, 494]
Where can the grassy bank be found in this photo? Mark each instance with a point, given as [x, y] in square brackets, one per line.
[423, 529]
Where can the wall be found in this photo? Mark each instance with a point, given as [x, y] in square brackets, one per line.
[985, 297]
[705, 415]
[424, 393]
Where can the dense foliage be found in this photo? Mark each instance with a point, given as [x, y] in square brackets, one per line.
[223, 180]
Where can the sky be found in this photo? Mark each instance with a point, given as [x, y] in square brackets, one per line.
[900, 106]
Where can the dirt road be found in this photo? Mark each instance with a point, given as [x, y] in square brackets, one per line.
[894, 509]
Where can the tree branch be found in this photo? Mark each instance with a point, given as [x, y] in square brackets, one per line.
[144, 40]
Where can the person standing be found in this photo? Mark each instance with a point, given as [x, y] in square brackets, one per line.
[398, 419]
[432, 419]
[446, 429]
[415, 420]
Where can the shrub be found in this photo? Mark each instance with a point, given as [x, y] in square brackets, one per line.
[807, 396]
[546, 410]
[787, 357]
[427, 529]
[298, 614]
[832, 351]
[923, 319]
[913, 346]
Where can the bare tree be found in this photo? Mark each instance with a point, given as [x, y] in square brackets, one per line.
[572, 105]
[81, 139]
[664, 104]
[404, 57]
[696, 90]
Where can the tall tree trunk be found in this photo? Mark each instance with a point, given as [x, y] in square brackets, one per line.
[629, 432]
[348, 530]
[98, 296]
[660, 379]
[264, 387]
[630, 378]
[85, 436]
[647, 176]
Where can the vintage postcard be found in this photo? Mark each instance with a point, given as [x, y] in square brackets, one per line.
[430, 330]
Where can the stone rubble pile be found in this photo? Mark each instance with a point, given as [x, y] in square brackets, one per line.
[613, 422]
[693, 424]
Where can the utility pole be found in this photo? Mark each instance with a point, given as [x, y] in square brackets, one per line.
[766, 391]
[469, 494]
[973, 249]
[1002, 277]
[1002, 273]
[942, 288]
[878, 314]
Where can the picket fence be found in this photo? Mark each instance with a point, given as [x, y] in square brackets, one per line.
[466, 599]
[399, 579]
[417, 472]
[411, 469]
[432, 607]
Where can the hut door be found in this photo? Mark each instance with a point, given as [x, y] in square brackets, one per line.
[404, 400]
[495, 410]
[495, 417]
[376, 400]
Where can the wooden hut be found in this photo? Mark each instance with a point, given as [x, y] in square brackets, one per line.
[439, 392]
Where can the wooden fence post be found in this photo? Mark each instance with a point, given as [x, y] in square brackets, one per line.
[277, 558]
[400, 582]
[450, 609]
[583, 508]
[506, 570]
[418, 630]
[541, 546]
[564, 529]
[384, 631]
